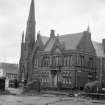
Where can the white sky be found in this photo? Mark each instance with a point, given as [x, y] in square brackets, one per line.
[65, 16]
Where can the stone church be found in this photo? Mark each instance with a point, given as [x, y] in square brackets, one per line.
[68, 60]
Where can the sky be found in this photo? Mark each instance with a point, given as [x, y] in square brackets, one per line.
[64, 16]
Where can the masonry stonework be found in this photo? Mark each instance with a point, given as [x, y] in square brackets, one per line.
[68, 61]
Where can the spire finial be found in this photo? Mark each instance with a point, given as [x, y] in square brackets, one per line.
[58, 36]
[88, 28]
[38, 33]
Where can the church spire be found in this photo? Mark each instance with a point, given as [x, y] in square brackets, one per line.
[30, 29]
[32, 12]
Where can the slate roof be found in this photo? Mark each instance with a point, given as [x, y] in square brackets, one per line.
[50, 44]
[99, 49]
[70, 41]
[9, 68]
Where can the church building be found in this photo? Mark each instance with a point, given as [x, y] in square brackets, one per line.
[68, 60]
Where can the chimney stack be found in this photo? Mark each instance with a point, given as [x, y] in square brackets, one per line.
[52, 33]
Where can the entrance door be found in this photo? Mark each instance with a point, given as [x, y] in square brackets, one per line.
[54, 77]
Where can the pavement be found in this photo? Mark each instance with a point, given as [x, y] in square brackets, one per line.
[45, 99]
[42, 100]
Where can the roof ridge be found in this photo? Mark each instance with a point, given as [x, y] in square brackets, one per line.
[71, 34]
[44, 36]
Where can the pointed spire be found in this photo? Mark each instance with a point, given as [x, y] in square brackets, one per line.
[23, 37]
[32, 11]
[88, 28]
[38, 35]
[30, 30]
[57, 37]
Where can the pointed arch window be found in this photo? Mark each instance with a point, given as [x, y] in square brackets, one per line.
[82, 60]
[67, 60]
[36, 62]
[90, 62]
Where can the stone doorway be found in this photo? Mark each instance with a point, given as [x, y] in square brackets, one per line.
[54, 78]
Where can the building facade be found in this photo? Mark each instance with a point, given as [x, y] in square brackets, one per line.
[67, 61]
[9, 71]
[100, 52]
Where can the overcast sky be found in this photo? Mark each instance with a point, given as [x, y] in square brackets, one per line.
[65, 16]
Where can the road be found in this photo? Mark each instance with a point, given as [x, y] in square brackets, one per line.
[44, 99]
